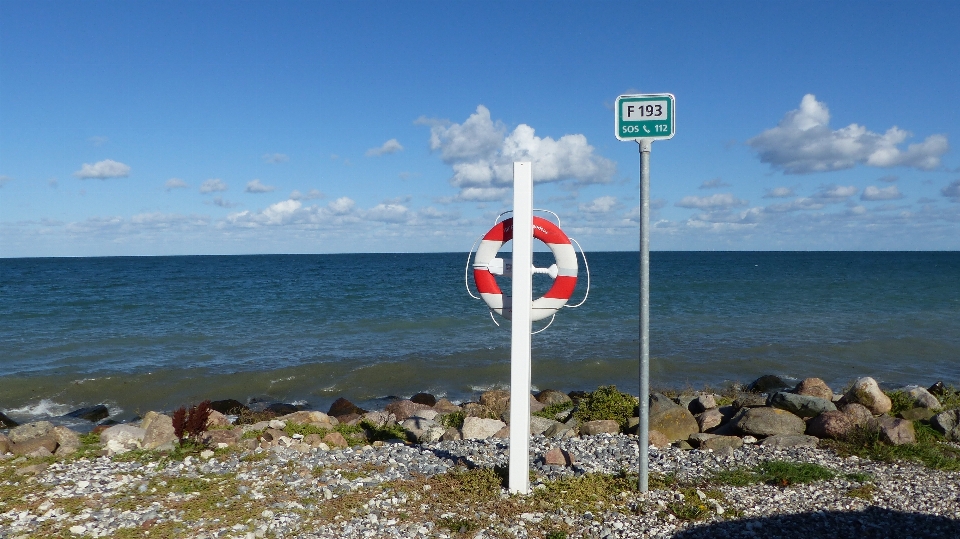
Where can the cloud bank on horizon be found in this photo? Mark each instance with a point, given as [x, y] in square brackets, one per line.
[214, 147]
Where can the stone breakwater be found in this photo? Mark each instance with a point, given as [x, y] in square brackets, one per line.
[304, 474]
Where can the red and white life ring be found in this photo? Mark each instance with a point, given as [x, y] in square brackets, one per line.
[563, 284]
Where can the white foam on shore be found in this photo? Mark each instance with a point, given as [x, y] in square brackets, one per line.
[43, 409]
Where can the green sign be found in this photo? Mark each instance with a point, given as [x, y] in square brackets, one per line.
[646, 116]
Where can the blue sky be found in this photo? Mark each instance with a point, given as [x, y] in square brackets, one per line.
[154, 128]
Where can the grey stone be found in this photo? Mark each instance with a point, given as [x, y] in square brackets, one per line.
[538, 425]
[921, 397]
[6, 422]
[158, 433]
[380, 419]
[896, 431]
[423, 430]
[717, 443]
[90, 413]
[560, 430]
[676, 423]
[599, 426]
[766, 384]
[212, 438]
[867, 392]
[948, 424]
[68, 441]
[814, 387]
[30, 430]
[477, 428]
[858, 413]
[475, 409]
[749, 400]
[702, 403]
[768, 422]
[30, 446]
[917, 414]
[836, 425]
[558, 457]
[801, 405]
[497, 400]
[657, 439]
[444, 406]
[786, 441]
[127, 435]
[685, 401]
[424, 398]
[710, 419]
[403, 409]
[451, 435]
[549, 397]
[4, 444]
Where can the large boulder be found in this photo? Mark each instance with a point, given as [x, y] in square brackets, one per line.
[213, 438]
[342, 407]
[539, 425]
[124, 435]
[896, 431]
[549, 397]
[767, 384]
[478, 428]
[836, 425]
[867, 392]
[786, 441]
[814, 387]
[801, 405]
[599, 426]
[68, 441]
[710, 419]
[5, 444]
[423, 430]
[90, 413]
[750, 400]
[702, 403]
[403, 409]
[948, 424]
[310, 417]
[497, 400]
[424, 398]
[43, 445]
[676, 423]
[229, 407]
[921, 397]
[444, 406]
[715, 442]
[158, 432]
[6, 422]
[763, 422]
[660, 402]
[27, 431]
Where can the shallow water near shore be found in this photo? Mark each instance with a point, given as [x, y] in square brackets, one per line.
[158, 332]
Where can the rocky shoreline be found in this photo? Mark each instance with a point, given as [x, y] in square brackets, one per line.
[424, 467]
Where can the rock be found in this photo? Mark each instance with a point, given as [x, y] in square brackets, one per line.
[6, 422]
[767, 384]
[575, 396]
[90, 413]
[657, 439]
[335, 439]
[786, 441]
[29, 447]
[424, 398]
[836, 425]
[749, 400]
[502, 433]
[213, 438]
[314, 440]
[30, 430]
[444, 406]
[549, 397]
[477, 428]
[229, 407]
[865, 391]
[342, 407]
[937, 390]
[921, 397]
[282, 408]
[702, 404]
[717, 443]
[709, 419]
[539, 425]
[558, 457]
[801, 405]
[272, 434]
[599, 426]
[310, 417]
[68, 441]
[768, 422]
[403, 409]
[451, 435]
[660, 403]
[814, 387]
[858, 413]
[378, 419]
[896, 431]
[675, 423]
[535, 405]
[423, 430]
[948, 424]
[498, 401]
[475, 409]
[682, 444]
[349, 419]
[917, 414]
[216, 419]
[560, 430]
[124, 435]
[4, 444]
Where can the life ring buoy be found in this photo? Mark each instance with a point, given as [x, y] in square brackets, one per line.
[566, 272]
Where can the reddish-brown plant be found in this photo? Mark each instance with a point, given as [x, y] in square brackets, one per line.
[192, 423]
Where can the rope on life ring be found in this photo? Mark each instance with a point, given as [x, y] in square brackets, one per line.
[564, 272]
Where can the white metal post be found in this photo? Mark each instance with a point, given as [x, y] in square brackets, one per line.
[522, 298]
[643, 432]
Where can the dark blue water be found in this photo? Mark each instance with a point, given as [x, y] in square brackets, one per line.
[158, 332]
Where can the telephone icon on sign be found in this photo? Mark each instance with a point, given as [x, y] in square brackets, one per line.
[645, 129]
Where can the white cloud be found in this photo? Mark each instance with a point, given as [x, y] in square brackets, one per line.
[388, 213]
[101, 170]
[832, 194]
[799, 204]
[876, 193]
[482, 154]
[275, 158]
[175, 183]
[213, 185]
[4, 180]
[219, 201]
[803, 143]
[390, 146]
[254, 186]
[713, 202]
[341, 206]
[715, 183]
[600, 205]
[779, 192]
[311, 194]
[952, 190]
[479, 194]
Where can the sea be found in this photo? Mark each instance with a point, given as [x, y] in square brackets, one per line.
[156, 333]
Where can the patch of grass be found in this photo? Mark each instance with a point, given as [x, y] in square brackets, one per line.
[453, 419]
[735, 477]
[860, 477]
[458, 525]
[377, 433]
[585, 493]
[555, 534]
[304, 429]
[950, 399]
[185, 448]
[550, 412]
[606, 403]
[864, 491]
[929, 450]
[779, 472]
[135, 455]
[901, 401]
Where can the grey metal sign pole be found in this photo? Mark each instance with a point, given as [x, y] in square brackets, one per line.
[642, 428]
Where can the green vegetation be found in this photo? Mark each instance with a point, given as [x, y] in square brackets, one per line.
[606, 403]
[900, 400]
[453, 419]
[864, 491]
[950, 399]
[550, 412]
[931, 449]
[774, 472]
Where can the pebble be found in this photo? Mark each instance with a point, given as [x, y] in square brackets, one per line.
[312, 479]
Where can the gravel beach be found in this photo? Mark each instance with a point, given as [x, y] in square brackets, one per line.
[397, 490]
